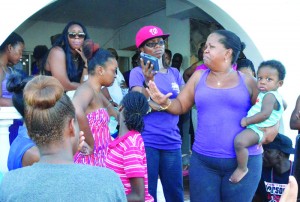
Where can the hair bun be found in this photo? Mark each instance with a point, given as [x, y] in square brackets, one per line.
[90, 48]
[43, 92]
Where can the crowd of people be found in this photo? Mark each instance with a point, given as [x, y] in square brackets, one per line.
[66, 142]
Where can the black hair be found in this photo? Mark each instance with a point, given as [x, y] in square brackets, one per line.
[231, 41]
[169, 52]
[114, 53]
[135, 60]
[274, 64]
[200, 51]
[135, 108]
[246, 63]
[15, 84]
[95, 55]
[40, 51]
[13, 39]
[177, 60]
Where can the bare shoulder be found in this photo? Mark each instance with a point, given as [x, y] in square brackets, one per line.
[84, 92]
[196, 76]
[249, 80]
[57, 52]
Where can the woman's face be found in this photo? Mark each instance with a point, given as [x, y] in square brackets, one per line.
[109, 72]
[215, 52]
[76, 36]
[15, 53]
[154, 47]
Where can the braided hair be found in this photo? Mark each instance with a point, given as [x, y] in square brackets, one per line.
[135, 108]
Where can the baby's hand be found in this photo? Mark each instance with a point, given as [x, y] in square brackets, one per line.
[244, 122]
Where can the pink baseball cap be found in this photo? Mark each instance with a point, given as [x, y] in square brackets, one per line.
[148, 32]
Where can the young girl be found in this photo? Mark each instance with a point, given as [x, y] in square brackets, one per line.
[126, 154]
[266, 112]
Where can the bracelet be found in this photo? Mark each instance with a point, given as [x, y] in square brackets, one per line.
[145, 85]
[165, 108]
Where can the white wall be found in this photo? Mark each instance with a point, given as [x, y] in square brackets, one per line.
[271, 29]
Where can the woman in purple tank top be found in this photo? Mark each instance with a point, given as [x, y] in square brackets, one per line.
[222, 97]
[10, 53]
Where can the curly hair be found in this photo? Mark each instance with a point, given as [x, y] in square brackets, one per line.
[47, 109]
[135, 108]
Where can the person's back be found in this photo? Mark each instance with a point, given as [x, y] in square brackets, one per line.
[61, 182]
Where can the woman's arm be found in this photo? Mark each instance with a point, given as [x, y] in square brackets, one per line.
[295, 117]
[31, 156]
[137, 190]
[56, 63]
[189, 72]
[81, 100]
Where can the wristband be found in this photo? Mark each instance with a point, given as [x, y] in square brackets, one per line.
[145, 85]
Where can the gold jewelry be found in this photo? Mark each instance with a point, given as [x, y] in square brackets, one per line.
[220, 82]
[165, 108]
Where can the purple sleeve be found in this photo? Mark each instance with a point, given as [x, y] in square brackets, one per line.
[136, 77]
[178, 77]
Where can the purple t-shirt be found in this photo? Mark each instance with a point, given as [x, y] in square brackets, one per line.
[219, 115]
[161, 131]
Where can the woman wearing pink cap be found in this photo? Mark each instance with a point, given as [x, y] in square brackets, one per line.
[161, 134]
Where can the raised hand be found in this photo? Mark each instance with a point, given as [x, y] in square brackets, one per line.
[156, 95]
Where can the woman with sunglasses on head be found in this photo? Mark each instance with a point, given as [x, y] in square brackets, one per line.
[65, 60]
[161, 134]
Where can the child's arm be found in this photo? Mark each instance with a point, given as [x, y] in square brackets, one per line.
[268, 104]
[137, 190]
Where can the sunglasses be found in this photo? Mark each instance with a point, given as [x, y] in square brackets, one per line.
[153, 44]
[80, 35]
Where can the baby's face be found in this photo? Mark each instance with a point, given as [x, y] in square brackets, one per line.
[268, 79]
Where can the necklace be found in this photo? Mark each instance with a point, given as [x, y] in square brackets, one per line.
[219, 82]
[75, 59]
